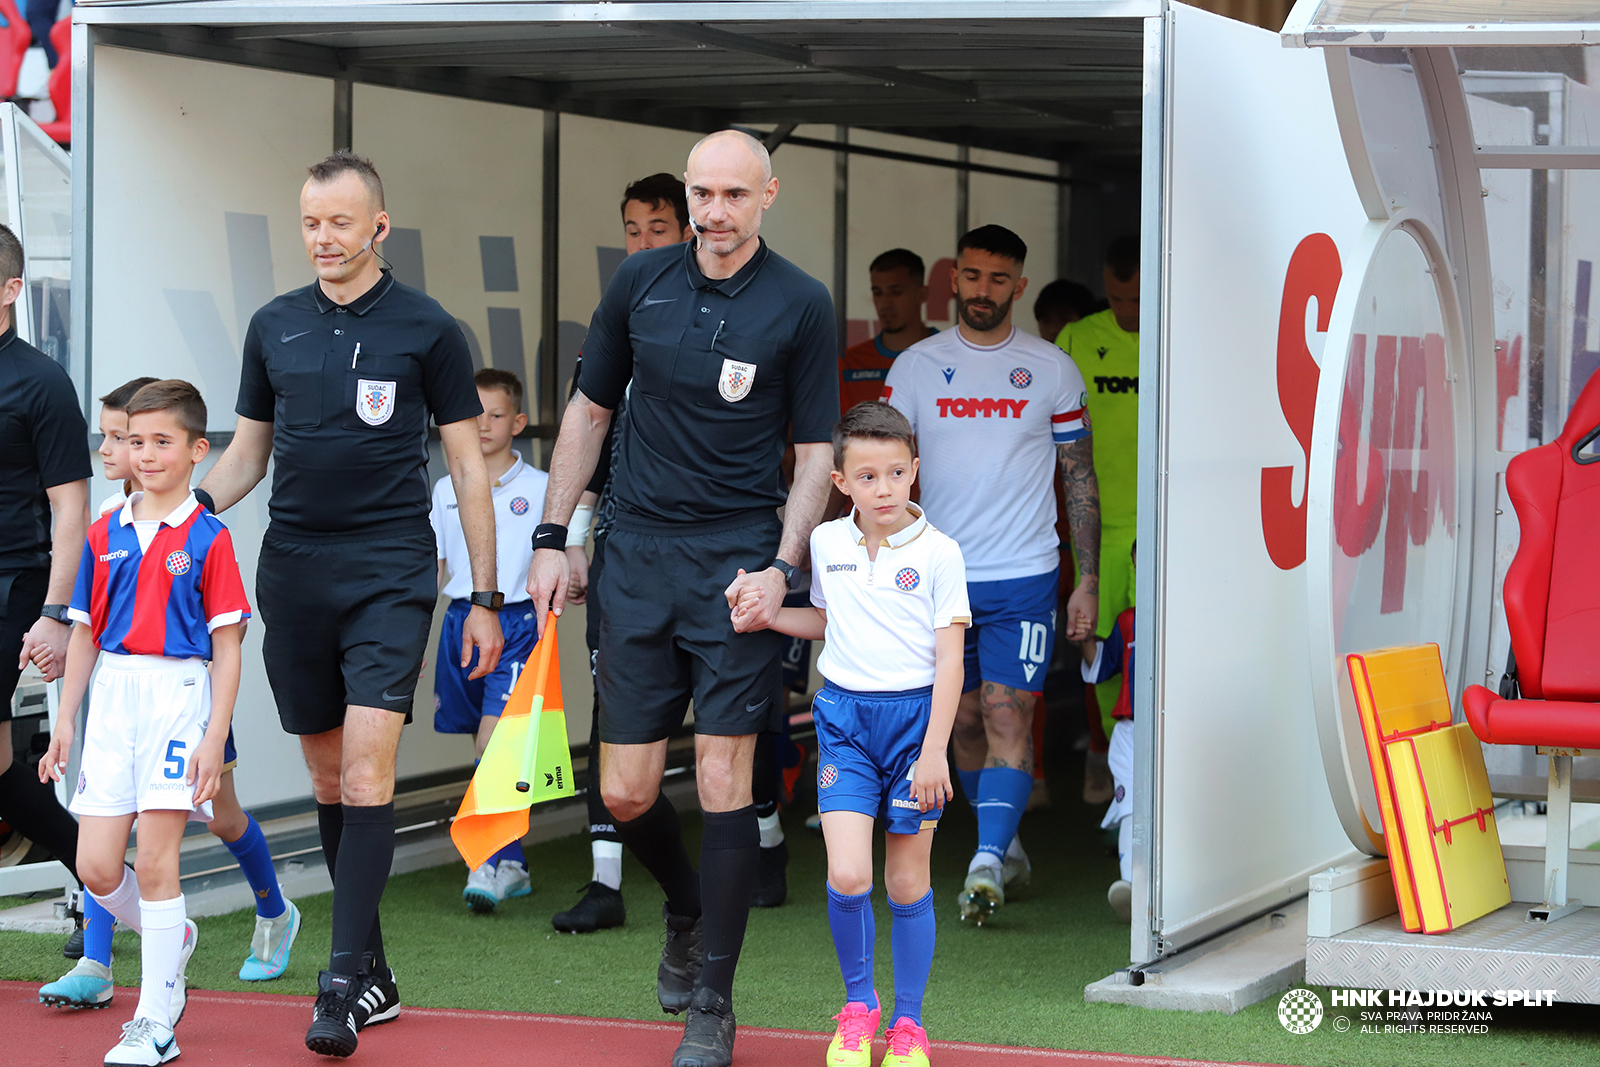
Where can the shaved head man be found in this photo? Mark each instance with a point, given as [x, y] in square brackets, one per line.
[725, 345]
[730, 185]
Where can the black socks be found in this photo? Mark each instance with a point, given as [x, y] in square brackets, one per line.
[765, 785]
[370, 833]
[729, 854]
[656, 840]
[30, 806]
[602, 827]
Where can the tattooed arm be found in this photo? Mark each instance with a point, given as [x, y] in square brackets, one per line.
[1076, 464]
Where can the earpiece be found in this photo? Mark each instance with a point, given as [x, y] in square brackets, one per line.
[366, 247]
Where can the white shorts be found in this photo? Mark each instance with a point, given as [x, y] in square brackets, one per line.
[147, 715]
[1119, 756]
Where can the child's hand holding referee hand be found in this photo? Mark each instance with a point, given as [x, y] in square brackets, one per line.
[930, 780]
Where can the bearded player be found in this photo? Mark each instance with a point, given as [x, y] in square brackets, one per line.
[997, 411]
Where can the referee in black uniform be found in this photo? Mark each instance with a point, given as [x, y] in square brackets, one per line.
[338, 383]
[727, 344]
[44, 472]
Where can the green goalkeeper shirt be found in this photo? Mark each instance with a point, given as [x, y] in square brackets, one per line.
[1108, 357]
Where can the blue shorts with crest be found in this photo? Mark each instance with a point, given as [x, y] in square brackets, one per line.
[867, 745]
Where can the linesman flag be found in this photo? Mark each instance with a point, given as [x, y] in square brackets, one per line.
[527, 760]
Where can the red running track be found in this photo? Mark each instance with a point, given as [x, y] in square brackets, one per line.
[260, 1030]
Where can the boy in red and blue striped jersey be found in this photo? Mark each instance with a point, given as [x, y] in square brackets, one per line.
[159, 594]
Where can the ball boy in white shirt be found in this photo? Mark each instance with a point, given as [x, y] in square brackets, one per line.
[158, 594]
[890, 596]
[464, 705]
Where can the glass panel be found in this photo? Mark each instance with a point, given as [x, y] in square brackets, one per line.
[1453, 12]
[1518, 295]
[1543, 80]
[1394, 505]
[1394, 127]
[46, 179]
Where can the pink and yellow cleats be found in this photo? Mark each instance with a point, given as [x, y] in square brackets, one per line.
[852, 1041]
[908, 1045]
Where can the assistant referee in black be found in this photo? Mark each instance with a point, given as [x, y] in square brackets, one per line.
[44, 511]
[338, 383]
[726, 344]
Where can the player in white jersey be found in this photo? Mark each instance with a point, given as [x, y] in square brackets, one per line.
[462, 704]
[997, 411]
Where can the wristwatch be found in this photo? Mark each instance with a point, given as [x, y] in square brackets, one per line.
[491, 600]
[55, 612]
[785, 568]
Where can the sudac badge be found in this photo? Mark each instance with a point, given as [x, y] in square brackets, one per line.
[374, 401]
[736, 380]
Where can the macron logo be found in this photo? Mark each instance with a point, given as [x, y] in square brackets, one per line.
[964, 408]
[120, 553]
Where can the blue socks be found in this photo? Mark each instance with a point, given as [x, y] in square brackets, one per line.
[912, 938]
[97, 926]
[969, 785]
[256, 862]
[1001, 796]
[854, 932]
[512, 851]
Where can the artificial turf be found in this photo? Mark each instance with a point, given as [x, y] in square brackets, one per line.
[1017, 981]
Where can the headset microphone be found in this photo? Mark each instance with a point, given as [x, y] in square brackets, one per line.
[696, 227]
[376, 234]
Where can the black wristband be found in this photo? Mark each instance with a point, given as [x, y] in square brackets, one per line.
[205, 500]
[550, 535]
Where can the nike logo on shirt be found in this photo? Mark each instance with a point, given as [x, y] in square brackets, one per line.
[647, 301]
[286, 338]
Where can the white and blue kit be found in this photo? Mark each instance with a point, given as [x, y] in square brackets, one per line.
[878, 662]
[988, 420]
[518, 503]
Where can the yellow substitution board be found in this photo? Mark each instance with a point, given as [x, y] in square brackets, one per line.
[1452, 845]
[1400, 692]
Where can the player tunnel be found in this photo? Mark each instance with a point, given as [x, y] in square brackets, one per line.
[506, 131]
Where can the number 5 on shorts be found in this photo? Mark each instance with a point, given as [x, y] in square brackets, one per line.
[174, 759]
[1034, 637]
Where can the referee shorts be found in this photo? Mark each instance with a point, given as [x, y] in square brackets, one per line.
[22, 594]
[347, 624]
[666, 635]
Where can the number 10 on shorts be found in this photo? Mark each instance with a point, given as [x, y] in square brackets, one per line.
[1034, 640]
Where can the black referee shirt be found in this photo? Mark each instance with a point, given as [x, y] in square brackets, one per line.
[349, 390]
[720, 371]
[44, 442]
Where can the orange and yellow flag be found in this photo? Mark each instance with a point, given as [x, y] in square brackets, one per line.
[527, 760]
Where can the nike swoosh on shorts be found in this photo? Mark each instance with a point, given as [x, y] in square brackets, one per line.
[757, 705]
[286, 338]
[389, 696]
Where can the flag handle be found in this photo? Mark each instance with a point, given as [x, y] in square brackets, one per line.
[541, 669]
[532, 743]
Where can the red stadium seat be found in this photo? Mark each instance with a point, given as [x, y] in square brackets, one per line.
[15, 37]
[60, 131]
[1552, 598]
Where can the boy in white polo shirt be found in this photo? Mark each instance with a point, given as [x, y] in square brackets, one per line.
[890, 596]
[463, 705]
